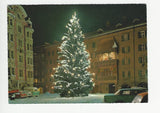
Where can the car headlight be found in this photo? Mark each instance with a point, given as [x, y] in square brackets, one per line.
[137, 99]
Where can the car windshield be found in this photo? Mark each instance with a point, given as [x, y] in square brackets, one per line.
[117, 92]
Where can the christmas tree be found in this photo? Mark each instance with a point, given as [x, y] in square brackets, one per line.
[72, 77]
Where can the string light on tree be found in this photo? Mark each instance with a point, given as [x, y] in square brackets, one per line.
[72, 50]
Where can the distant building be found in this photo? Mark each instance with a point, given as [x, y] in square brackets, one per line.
[118, 58]
[20, 48]
[45, 60]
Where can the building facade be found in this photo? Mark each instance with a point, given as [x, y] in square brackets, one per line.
[20, 48]
[118, 58]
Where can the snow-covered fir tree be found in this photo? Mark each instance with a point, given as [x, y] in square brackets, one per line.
[72, 77]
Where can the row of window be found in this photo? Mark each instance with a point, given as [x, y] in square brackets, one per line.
[141, 60]
[126, 74]
[141, 47]
[126, 37]
[51, 53]
[11, 71]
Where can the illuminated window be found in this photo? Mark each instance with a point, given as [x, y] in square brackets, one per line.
[35, 80]
[106, 56]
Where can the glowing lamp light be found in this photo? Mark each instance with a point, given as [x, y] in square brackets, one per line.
[52, 87]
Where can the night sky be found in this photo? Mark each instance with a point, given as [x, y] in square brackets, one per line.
[49, 21]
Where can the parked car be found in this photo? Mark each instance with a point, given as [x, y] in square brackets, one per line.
[34, 91]
[124, 95]
[11, 96]
[141, 98]
[20, 94]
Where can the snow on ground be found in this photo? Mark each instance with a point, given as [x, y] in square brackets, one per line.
[55, 98]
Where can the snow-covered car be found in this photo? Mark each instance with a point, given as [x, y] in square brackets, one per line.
[20, 94]
[141, 98]
[29, 93]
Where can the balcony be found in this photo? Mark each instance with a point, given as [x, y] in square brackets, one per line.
[112, 62]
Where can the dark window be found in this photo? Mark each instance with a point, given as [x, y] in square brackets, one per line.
[122, 38]
[21, 73]
[11, 37]
[125, 37]
[8, 54]
[11, 22]
[140, 73]
[123, 50]
[128, 60]
[93, 45]
[13, 71]
[12, 56]
[20, 58]
[48, 53]
[27, 34]
[128, 49]
[129, 73]
[123, 61]
[50, 61]
[28, 60]
[123, 74]
[140, 59]
[9, 71]
[27, 46]
[19, 29]
[52, 53]
[142, 34]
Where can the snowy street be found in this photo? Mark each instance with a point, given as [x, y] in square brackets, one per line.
[55, 98]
